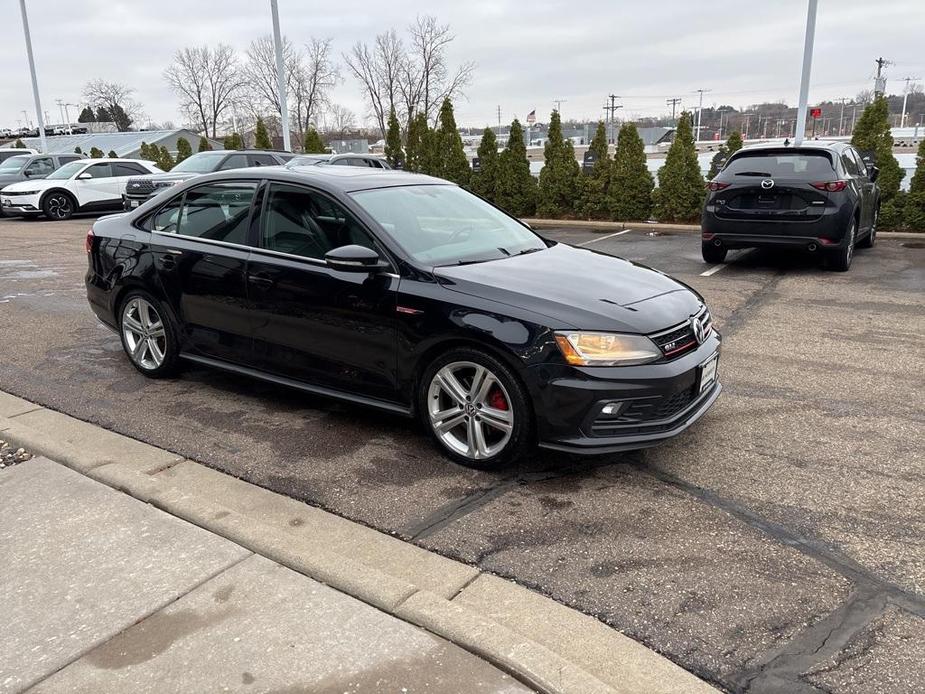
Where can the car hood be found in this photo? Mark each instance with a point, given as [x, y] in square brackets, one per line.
[579, 288]
[6, 179]
[33, 184]
[179, 176]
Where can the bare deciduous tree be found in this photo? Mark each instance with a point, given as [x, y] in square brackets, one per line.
[261, 78]
[411, 79]
[340, 120]
[207, 81]
[314, 76]
[116, 98]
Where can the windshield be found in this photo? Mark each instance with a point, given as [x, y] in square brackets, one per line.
[66, 171]
[445, 225]
[204, 162]
[13, 164]
[780, 164]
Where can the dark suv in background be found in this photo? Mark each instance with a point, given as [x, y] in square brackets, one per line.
[821, 197]
[140, 190]
[24, 167]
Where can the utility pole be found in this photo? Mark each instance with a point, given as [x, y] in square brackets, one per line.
[807, 66]
[612, 109]
[558, 103]
[499, 115]
[841, 117]
[880, 82]
[60, 109]
[902, 120]
[747, 117]
[700, 111]
[35, 82]
[281, 78]
[673, 103]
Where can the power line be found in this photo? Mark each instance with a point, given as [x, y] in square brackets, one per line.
[612, 108]
[673, 103]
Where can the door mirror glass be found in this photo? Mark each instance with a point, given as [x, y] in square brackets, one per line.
[84, 176]
[354, 258]
[873, 172]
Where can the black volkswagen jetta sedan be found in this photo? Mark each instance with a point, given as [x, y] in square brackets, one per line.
[406, 293]
[820, 197]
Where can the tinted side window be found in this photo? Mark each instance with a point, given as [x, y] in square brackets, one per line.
[851, 166]
[216, 211]
[40, 167]
[99, 171]
[68, 158]
[862, 167]
[127, 170]
[344, 162]
[302, 222]
[262, 160]
[234, 161]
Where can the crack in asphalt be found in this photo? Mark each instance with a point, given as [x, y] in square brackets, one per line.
[761, 296]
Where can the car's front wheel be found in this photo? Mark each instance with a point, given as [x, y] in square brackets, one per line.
[475, 408]
[58, 206]
[712, 253]
[148, 336]
[840, 261]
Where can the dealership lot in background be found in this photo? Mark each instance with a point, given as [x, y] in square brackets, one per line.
[796, 502]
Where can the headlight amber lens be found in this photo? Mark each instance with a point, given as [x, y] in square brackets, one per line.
[606, 349]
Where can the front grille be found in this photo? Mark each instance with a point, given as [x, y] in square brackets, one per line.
[681, 339]
[139, 186]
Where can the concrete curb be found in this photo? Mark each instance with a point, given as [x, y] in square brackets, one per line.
[549, 646]
[610, 227]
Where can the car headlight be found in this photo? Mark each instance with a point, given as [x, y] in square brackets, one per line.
[582, 348]
[165, 184]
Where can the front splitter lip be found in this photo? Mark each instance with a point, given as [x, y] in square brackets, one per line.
[587, 445]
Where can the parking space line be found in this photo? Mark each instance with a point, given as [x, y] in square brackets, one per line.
[716, 268]
[601, 238]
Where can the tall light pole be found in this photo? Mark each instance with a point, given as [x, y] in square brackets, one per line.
[281, 78]
[902, 120]
[700, 111]
[35, 83]
[807, 66]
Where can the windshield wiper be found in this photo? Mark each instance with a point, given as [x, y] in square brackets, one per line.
[529, 250]
[754, 173]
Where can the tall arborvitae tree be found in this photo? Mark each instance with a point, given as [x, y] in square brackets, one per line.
[732, 145]
[112, 154]
[414, 143]
[313, 143]
[592, 194]
[261, 136]
[393, 150]
[204, 145]
[515, 189]
[96, 153]
[872, 134]
[19, 144]
[681, 191]
[454, 165]
[917, 182]
[559, 181]
[432, 159]
[165, 162]
[912, 205]
[184, 149]
[485, 180]
[78, 150]
[86, 115]
[630, 194]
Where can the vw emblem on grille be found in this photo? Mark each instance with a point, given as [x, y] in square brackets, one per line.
[767, 184]
[699, 333]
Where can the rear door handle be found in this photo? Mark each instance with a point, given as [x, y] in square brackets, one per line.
[169, 259]
[261, 279]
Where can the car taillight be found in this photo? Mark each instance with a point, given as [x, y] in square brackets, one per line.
[830, 186]
[88, 243]
[716, 185]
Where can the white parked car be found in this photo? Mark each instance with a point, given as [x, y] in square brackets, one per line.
[88, 185]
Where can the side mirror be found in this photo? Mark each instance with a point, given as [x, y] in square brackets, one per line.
[354, 258]
[873, 172]
[84, 176]
[28, 174]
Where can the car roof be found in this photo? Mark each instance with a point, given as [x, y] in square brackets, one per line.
[242, 151]
[344, 179]
[825, 145]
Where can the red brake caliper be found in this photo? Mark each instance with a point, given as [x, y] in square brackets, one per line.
[496, 399]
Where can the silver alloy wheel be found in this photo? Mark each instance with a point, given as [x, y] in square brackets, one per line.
[144, 334]
[462, 403]
[59, 206]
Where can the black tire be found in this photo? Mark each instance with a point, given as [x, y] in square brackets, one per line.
[713, 254]
[871, 238]
[59, 206]
[513, 393]
[170, 364]
[840, 260]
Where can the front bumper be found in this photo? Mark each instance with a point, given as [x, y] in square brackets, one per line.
[653, 402]
[133, 202]
[20, 204]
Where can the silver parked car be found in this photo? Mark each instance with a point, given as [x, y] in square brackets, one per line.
[25, 167]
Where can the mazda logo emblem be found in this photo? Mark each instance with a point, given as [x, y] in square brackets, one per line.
[767, 184]
[697, 327]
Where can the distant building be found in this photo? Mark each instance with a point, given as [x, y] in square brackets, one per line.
[127, 145]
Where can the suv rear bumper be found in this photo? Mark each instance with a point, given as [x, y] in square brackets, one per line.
[825, 231]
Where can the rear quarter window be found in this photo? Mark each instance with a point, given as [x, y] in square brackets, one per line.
[780, 165]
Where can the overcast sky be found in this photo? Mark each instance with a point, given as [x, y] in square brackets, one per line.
[527, 53]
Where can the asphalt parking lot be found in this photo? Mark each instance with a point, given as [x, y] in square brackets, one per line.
[776, 546]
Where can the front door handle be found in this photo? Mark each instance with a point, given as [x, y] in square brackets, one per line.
[261, 279]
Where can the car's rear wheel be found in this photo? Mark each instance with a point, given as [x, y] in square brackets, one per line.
[712, 253]
[869, 240]
[475, 408]
[58, 206]
[840, 260]
[148, 336]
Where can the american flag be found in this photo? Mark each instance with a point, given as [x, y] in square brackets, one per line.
[531, 117]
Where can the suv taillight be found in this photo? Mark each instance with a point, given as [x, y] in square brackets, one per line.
[88, 243]
[830, 186]
[716, 185]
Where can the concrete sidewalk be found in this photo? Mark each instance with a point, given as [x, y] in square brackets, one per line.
[104, 593]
